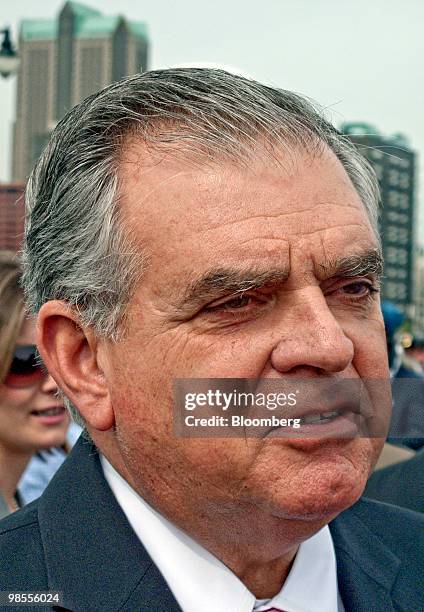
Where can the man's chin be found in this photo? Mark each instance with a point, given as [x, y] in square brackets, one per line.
[310, 508]
[320, 494]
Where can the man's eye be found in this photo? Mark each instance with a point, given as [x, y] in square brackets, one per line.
[359, 289]
[236, 303]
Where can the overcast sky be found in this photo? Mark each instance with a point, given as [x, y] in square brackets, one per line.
[363, 59]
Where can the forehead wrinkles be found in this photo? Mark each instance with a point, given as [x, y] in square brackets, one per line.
[171, 205]
[144, 172]
[338, 255]
[303, 223]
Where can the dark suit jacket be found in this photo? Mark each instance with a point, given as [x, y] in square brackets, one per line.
[76, 539]
[401, 484]
[407, 423]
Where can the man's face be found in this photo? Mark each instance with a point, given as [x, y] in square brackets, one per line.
[297, 220]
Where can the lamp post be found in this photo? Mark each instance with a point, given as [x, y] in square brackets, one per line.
[9, 59]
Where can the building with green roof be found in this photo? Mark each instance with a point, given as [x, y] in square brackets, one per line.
[63, 61]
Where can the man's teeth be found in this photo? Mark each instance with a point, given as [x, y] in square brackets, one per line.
[323, 417]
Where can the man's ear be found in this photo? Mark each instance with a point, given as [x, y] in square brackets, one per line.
[71, 354]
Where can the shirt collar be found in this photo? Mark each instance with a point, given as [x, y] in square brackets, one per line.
[312, 582]
[199, 580]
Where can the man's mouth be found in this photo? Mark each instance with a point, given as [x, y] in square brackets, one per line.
[320, 419]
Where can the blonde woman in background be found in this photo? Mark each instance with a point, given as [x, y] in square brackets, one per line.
[32, 417]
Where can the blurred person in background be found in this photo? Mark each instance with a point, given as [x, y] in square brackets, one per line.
[31, 415]
[414, 354]
[399, 475]
[407, 423]
[44, 465]
[401, 364]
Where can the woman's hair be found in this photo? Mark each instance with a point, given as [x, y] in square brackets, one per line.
[12, 308]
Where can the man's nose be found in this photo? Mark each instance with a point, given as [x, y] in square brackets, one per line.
[314, 339]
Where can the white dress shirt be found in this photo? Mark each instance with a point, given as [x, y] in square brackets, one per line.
[199, 581]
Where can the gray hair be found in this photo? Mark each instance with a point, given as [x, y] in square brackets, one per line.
[77, 248]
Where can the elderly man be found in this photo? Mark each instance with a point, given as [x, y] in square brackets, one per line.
[190, 224]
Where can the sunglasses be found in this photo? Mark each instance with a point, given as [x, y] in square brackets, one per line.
[26, 368]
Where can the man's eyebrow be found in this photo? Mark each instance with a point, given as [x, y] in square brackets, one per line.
[225, 280]
[357, 264]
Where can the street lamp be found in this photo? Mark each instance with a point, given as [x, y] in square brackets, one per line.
[9, 60]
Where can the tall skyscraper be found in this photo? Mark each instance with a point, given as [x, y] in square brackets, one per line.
[394, 163]
[62, 62]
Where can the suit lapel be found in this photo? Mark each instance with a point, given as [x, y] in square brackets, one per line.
[366, 567]
[92, 554]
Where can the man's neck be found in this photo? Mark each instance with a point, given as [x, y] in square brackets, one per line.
[266, 580]
[257, 547]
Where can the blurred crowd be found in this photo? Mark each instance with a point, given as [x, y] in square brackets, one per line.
[36, 433]
[35, 430]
